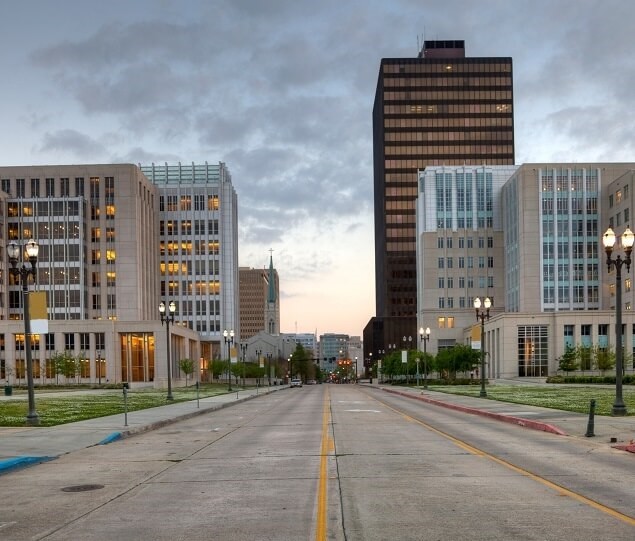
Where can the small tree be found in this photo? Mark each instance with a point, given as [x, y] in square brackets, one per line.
[187, 367]
[568, 361]
[604, 359]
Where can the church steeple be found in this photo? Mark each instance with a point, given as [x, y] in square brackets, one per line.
[271, 295]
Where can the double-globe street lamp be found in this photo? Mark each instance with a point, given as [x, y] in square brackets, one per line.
[229, 340]
[22, 272]
[482, 315]
[243, 351]
[608, 240]
[424, 335]
[167, 318]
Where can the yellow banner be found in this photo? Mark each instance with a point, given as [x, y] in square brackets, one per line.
[38, 312]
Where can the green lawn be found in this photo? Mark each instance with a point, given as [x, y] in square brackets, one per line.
[57, 410]
[555, 396]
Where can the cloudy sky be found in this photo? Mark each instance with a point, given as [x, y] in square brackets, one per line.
[282, 92]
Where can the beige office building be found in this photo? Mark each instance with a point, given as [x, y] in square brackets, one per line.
[537, 251]
[98, 230]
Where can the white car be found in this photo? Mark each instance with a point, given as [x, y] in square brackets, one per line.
[296, 383]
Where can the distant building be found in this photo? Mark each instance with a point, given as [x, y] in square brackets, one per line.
[333, 347]
[259, 301]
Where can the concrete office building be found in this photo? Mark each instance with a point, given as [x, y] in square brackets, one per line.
[546, 249]
[110, 251]
[440, 108]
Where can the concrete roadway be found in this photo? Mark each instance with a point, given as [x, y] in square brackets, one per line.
[329, 462]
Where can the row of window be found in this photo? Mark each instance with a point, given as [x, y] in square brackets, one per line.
[464, 302]
[466, 262]
[502, 136]
[427, 66]
[61, 187]
[445, 123]
[187, 248]
[574, 205]
[448, 147]
[571, 293]
[464, 222]
[576, 250]
[465, 242]
[444, 282]
[70, 340]
[570, 226]
[200, 227]
[576, 271]
[176, 203]
[432, 92]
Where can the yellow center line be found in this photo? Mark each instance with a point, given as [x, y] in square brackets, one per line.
[327, 445]
[558, 488]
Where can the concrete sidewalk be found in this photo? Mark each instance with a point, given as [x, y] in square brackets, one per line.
[22, 446]
[618, 432]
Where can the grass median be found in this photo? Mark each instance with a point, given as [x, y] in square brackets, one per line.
[559, 397]
[54, 408]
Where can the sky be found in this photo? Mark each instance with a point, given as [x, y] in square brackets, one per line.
[282, 91]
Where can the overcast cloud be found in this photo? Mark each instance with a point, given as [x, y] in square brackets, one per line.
[282, 92]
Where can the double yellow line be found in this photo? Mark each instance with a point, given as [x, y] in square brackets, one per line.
[327, 446]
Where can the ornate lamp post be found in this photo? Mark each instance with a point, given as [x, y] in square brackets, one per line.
[32, 250]
[407, 342]
[608, 240]
[168, 318]
[425, 336]
[482, 315]
[229, 340]
[99, 366]
[243, 350]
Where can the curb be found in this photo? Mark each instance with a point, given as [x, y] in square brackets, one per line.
[527, 423]
[22, 462]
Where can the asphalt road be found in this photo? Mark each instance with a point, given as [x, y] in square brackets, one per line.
[337, 462]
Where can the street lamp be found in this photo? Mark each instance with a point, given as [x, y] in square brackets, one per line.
[229, 340]
[608, 240]
[13, 251]
[482, 315]
[425, 336]
[99, 365]
[407, 342]
[168, 318]
[243, 350]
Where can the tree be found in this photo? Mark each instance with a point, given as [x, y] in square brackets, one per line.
[585, 356]
[64, 363]
[568, 362]
[187, 367]
[604, 359]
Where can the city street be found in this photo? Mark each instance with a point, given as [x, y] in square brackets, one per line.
[338, 462]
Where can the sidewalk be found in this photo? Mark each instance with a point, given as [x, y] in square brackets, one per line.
[21, 446]
[617, 432]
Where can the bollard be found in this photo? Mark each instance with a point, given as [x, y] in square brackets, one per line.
[591, 424]
[125, 404]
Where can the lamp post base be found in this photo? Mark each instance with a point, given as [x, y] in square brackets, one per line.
[618, 410]
[32, 419]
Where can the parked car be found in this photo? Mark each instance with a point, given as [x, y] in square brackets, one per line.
[296, 383]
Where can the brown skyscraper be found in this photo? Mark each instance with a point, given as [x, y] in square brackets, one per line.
[440, 108]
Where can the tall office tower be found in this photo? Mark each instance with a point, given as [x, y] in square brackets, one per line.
[259, 306]
[441, 108]
[198, 237]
